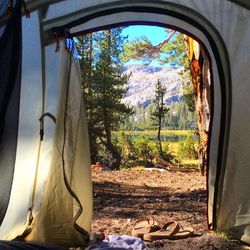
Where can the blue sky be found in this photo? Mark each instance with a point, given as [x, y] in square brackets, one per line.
[153, 33]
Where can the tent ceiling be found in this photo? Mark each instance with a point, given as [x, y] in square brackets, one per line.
[243, 3]
[33, 5]
[37, 4]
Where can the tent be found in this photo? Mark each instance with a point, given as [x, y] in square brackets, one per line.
[45, 187]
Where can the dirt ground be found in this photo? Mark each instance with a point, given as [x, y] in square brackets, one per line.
[122, 197]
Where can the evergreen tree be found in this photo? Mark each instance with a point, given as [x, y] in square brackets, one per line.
[86, 59]
[188, 95]
[104, 89]
[160, 110]
[111, 87]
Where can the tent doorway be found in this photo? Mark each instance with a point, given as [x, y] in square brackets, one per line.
[121, 197]
[208, 38]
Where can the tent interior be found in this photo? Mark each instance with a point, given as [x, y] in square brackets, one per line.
[45, 188]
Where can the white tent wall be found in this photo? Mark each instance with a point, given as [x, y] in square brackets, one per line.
[48, 226]
[58, 211]
[10, 82]
[234, 211]
[28, 135]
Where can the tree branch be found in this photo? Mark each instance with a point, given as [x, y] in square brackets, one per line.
[156, 48]
[160, 45]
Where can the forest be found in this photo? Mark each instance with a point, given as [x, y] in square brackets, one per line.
[177, 118]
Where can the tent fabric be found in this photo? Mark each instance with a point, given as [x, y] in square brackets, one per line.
[222, 27]
[28, 131]
[10, 82]
[242, 3]
[28, 141]
[65, 197]
[18, 245]
[3, 9]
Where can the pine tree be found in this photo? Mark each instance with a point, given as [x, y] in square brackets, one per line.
[160, 110]
[104, 91]
[86, 59]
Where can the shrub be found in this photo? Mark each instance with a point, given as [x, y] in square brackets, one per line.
[188, 149]
[127, 149]
[139, 151]
[105, 157]
[143, 149]
[166, 155]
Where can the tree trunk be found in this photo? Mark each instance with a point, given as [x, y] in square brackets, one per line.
[200, 73]
[159, 136]
[106, 115]
[93, 138]
[109, 145]
[93, 150]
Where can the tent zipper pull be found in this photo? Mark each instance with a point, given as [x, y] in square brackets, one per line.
[26, 11]
[57, 42]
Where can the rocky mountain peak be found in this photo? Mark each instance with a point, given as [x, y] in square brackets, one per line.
[142, 84]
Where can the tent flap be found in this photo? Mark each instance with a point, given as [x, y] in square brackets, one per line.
[10, 82]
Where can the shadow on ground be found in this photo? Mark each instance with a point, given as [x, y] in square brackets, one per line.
[121, 201]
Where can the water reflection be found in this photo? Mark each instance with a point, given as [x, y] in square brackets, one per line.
[154, 137]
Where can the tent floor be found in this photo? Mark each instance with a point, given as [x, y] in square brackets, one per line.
[18, 245]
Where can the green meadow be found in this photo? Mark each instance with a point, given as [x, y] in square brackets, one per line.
[171, 140]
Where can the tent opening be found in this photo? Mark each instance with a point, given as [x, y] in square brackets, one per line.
[148, 102]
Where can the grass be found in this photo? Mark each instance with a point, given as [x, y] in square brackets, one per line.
[226, 234]
[154, 132]
[138, 168]
[173, 149]
[172, 146]
[190, 162]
